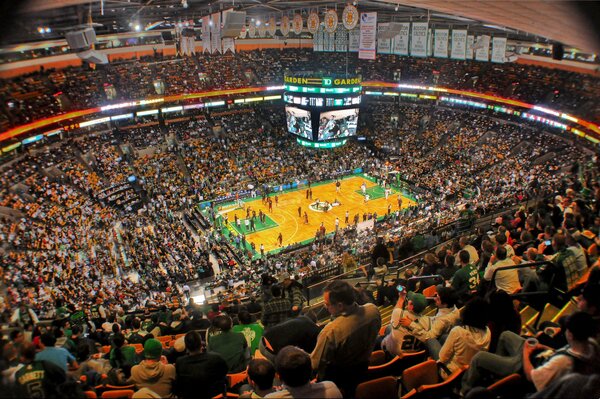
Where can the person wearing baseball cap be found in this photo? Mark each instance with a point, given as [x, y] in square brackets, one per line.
[154, 373]
[402, 319]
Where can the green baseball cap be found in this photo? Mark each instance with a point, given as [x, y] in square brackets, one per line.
[418, 300]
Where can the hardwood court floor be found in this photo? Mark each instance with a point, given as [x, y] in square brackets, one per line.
[294, 229]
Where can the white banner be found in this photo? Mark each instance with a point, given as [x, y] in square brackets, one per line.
[498, 49]
[330, 41]
[459, 44]
[368, 36]
[418, 39]
[354, 40]
[262, 30]
[440, 48]
[243, 32]
[384, 46]
[482, 48]
[206, 34]
[429, 43]
[470, 43]
[252, 30]
[228, 44]
[318, 41]
[341, 39]
[215, 33]
[400, 45]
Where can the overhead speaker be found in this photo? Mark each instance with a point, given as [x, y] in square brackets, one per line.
[392, 30]
[81, 39]
[558, 51]
[93, 57]
[233, 22]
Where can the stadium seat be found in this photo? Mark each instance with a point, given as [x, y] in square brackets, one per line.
[442, 389]
[507, 387]
[118, 394]
[90, 394]
[566, 310]
[164, 339]
[395, 366]
[227, 395]
[139, 348]
[430, 291]
[105, 349]
[385, 387]
[377, 358]
[425, 373]
[237, 378]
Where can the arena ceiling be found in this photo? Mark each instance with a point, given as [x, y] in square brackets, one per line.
[567, 22]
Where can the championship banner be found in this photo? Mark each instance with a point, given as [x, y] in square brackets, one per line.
[350, 17]
[341, 39]
[285, 26]
[400, 45]
[482, 48]
[313, 22]
[252, 30]
[298, 24]
[262, 30]
[272, 26]
[440, 48]
[470, 43]
[331, 41]
[499, 49]
[326, 38]
[206, 34]
[418, 39]
[459, 44]
[368, 36]
[384, 46]
[228, 45]
[353, 40]
[243, 32]
[318, 41]
[429, 43]
[215, 33]
[331, 21]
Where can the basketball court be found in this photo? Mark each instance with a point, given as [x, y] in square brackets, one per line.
[326, 205]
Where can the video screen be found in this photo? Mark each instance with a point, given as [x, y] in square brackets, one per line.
[336, 124]
[298, 122]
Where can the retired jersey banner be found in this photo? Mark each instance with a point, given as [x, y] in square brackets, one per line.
[252, 30]
[350, 17]
[243, 32]
[440, 47]
[368, 36]
[318, 41]
[459, 44]
[353, 40]
[262, 30]
[215, 33]
[298, 24]
[331, 21]
[482, 48]
[400, 45]
[418, 39]
[313, 22]
[384, 46]
[272, 26]
[285, 26]
[228, 45]
[470, 43]
[498, 49]
[206, 34]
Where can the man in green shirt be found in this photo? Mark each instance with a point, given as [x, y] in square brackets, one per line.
[252, 331]
[466, 279]
[232, 346]
[37, 378]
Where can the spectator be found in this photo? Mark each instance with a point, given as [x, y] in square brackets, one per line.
[122, 356]
[252, 331]
[277, 309]
[293, 366]
[37, 378]
[59, 356]
[261, 374]
[345, 344]
[466, 279]
[199, 369]
[153, 372]
[300, 331]
[232, 346]
[506, 280]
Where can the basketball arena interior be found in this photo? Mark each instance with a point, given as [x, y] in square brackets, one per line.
[299, 199]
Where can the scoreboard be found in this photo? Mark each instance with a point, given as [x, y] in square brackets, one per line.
[322, 108]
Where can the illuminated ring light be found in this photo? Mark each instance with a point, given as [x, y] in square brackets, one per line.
[392, 87]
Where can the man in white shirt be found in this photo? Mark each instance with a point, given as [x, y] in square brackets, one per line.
[505, 280]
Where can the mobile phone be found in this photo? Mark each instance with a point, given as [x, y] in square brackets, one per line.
[547, 243]
[399, 288]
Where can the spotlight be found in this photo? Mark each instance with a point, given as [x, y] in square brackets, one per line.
[48, 30]
[40, 29]
[258, 22]
[210, 23]
[137, 28]
[397, 7]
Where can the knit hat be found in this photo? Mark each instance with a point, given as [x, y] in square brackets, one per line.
[418, 300]
[152, 349]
